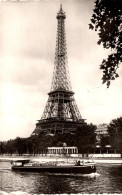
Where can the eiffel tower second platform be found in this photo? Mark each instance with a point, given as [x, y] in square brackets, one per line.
[61, 114]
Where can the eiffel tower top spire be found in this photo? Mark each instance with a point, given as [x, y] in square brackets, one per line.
[61, 6]
[61, 13]
[61, 79]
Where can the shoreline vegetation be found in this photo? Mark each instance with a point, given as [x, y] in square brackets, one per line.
[84, 139]
[57, 158]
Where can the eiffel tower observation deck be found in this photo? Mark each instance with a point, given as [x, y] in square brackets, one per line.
[61, 114]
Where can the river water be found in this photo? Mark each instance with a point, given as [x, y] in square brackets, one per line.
[108, 179]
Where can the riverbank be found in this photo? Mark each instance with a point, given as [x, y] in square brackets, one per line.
[54, 158]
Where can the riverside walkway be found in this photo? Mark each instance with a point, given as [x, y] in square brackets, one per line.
[46, 158]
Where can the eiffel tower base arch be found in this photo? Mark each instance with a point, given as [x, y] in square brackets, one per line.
[56, 127]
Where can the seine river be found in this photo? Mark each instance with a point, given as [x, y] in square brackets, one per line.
[107, 180]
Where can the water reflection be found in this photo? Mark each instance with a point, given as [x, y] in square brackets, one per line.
[109, 181]
[115, 178]
[110, 178]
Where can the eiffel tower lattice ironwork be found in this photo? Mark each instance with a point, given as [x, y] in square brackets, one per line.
[61, 114]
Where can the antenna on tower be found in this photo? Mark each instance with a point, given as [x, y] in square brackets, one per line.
[61, 6]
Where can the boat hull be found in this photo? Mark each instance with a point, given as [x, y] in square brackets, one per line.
[57, 169]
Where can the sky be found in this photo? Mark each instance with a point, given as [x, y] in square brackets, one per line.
[27, 52]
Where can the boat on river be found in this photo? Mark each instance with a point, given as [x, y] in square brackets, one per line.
[54, 167]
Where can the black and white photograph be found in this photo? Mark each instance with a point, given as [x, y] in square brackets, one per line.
[60, 97]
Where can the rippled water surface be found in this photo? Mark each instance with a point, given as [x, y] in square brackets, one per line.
[107, 180]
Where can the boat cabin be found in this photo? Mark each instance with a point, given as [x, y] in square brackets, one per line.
[20, 162]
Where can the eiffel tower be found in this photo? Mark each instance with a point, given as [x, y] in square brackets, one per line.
[61, 114]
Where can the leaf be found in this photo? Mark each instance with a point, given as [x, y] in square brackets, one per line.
[108, 84]
[93, 21]
[91, 26]
[116, 75]
[99, 42]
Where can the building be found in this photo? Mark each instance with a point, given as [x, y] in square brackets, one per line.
[60, 151]
[102, 130]
[61, 114]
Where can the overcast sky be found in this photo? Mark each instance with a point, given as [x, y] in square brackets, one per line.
[27, 51]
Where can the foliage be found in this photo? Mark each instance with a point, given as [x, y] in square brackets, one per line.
[20, 145]
[115, 132]
[106, 19]
[105, 140]
[84, 138]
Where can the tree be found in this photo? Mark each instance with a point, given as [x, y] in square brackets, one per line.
[105, 140]
[63, 138]
[115, 132]
[10, 147]
[2, 148]
[85, 137]
[20, 145]
[107, 20]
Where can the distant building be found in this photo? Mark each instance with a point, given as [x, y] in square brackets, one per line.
[102, 130]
